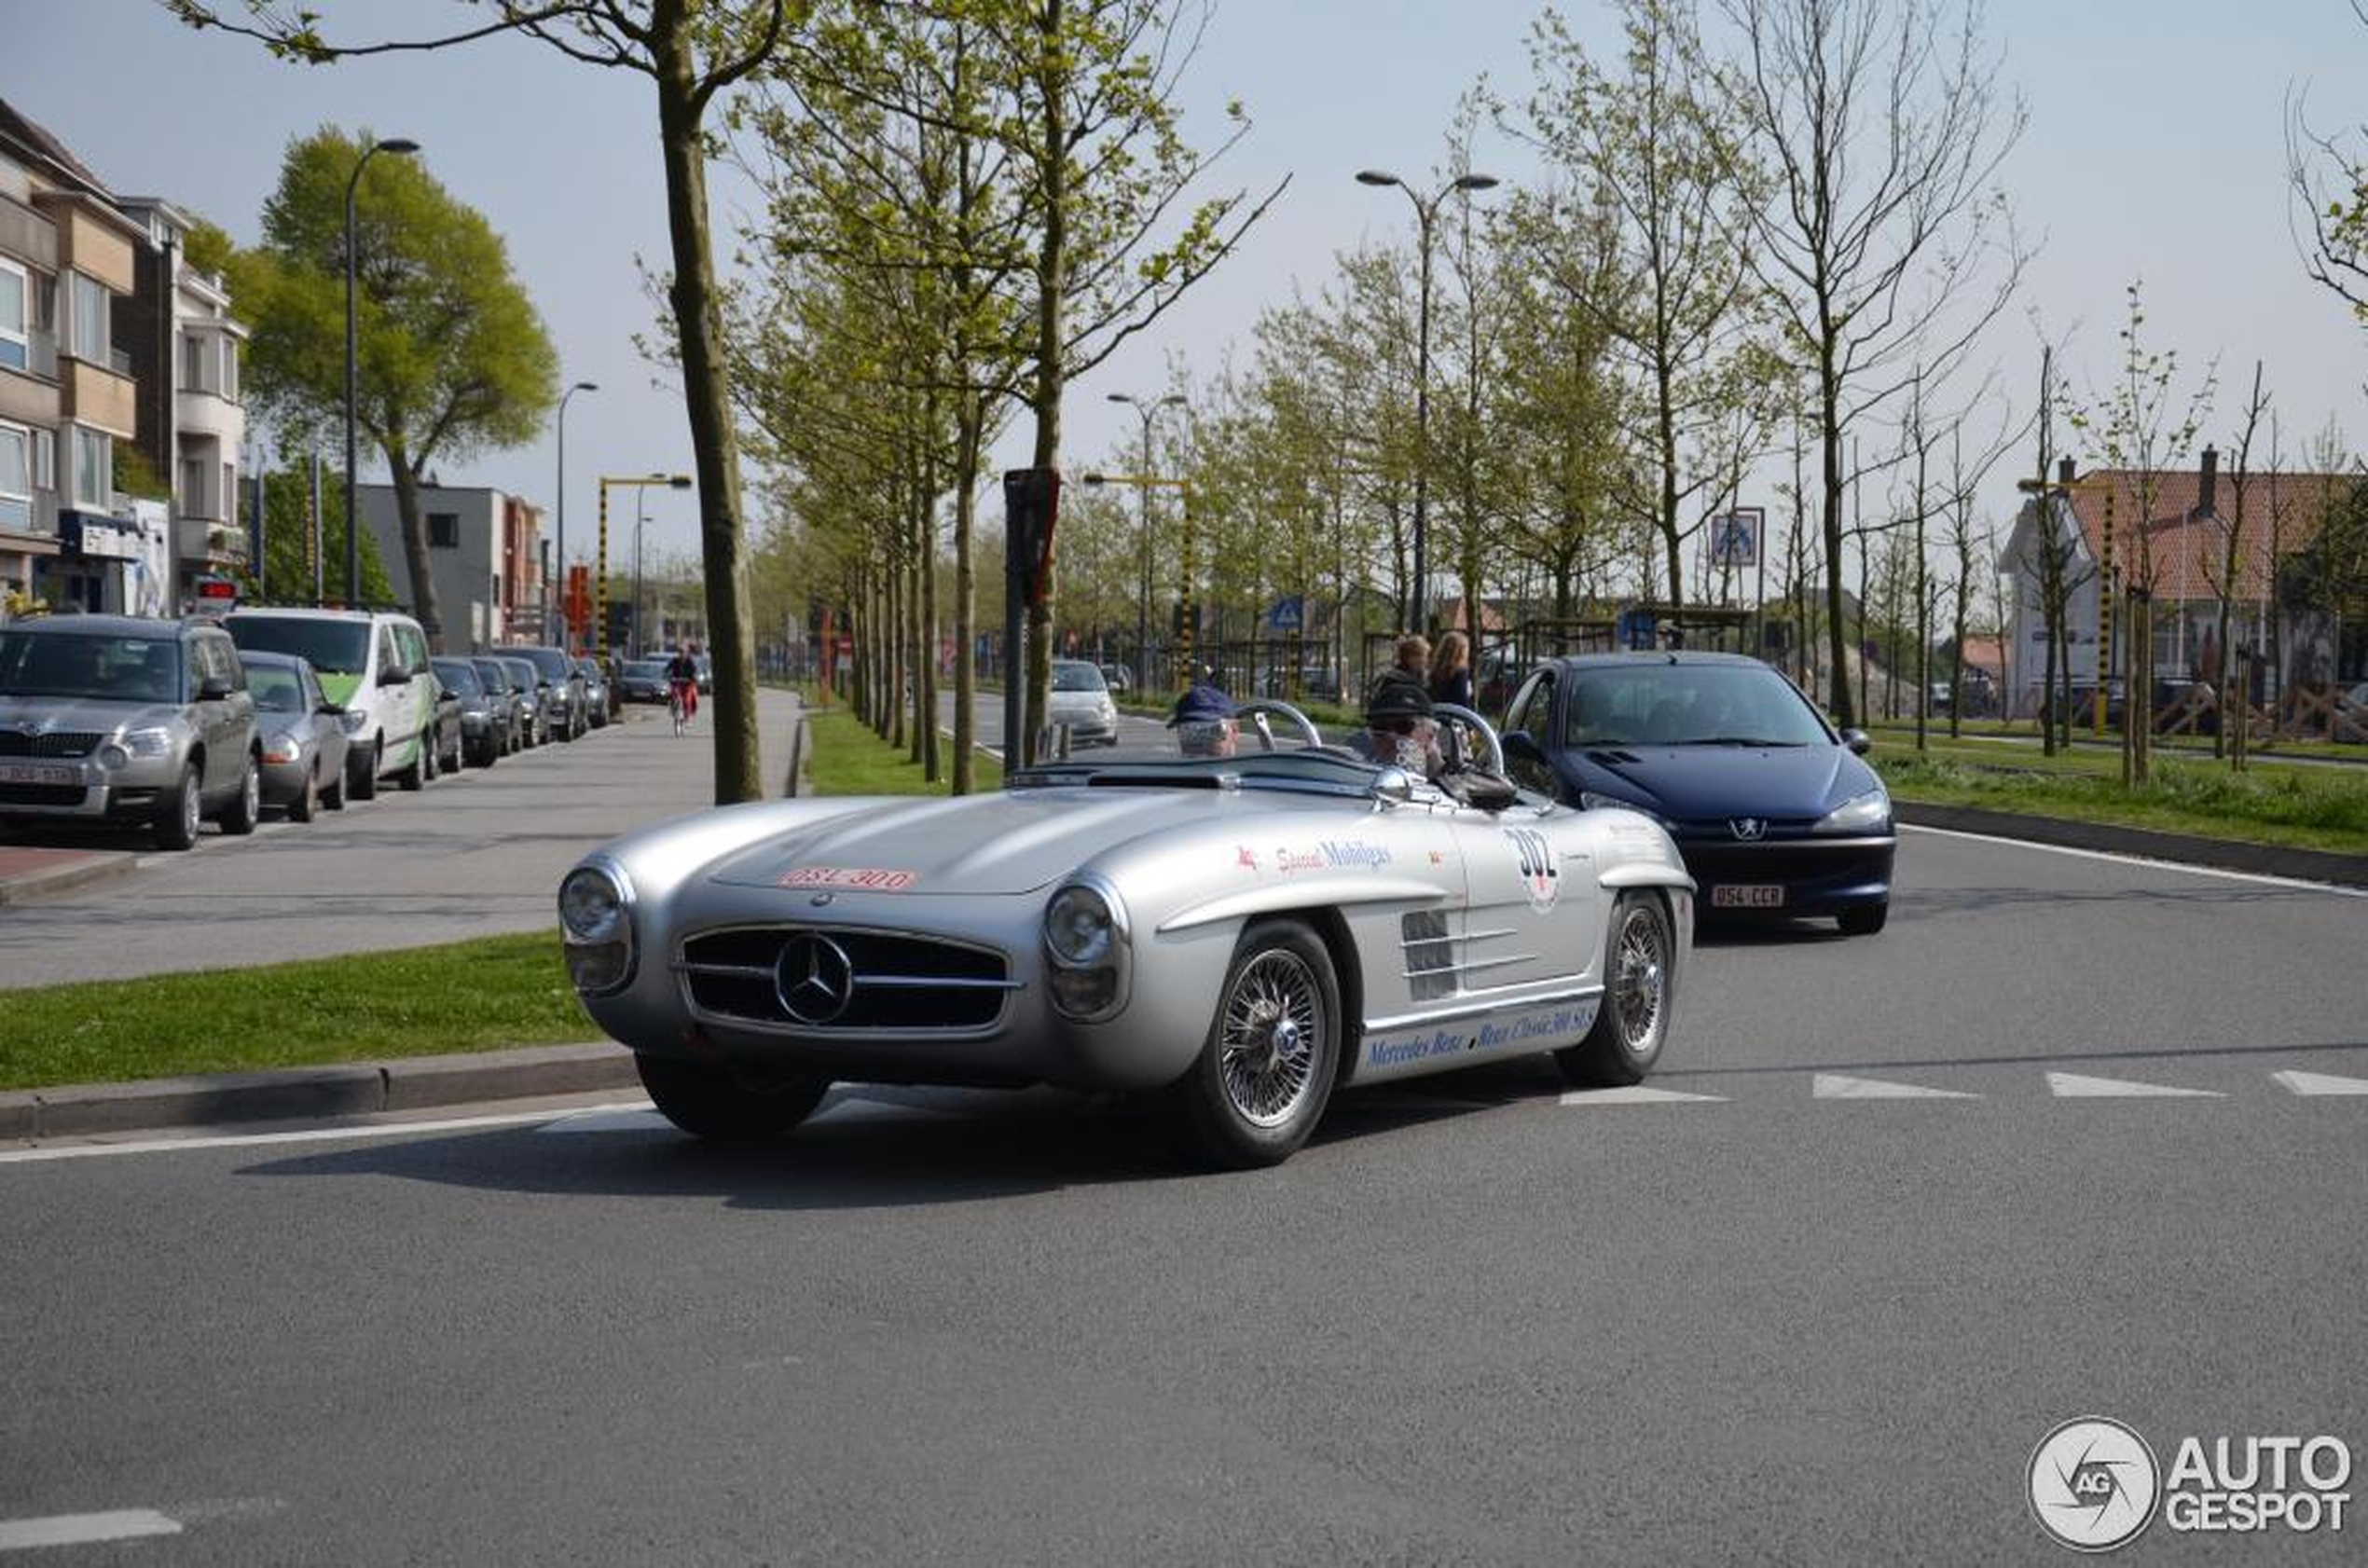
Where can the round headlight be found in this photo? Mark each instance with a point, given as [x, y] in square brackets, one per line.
[1078, 925]
[591, 905]
[114, 757]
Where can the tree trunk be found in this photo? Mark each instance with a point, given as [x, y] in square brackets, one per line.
[1830, 452]
[706, 400]
[1051, 289]
[416, 559]
[969, 422]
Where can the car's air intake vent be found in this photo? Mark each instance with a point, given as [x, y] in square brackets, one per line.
[41, 794]
[833, 978]
[57, 743]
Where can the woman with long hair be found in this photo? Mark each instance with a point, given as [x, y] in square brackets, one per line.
[1451, 670]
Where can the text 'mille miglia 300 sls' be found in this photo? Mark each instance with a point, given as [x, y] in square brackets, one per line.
[1238, 936]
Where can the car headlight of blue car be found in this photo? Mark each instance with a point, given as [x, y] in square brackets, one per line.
[1085, 946]
[1870, 813]
[596, 916]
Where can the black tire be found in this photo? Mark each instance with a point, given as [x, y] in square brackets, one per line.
[307, 805]
[1632, 1022]
[706, 1101]
[414, 777]
[362, 782]
[1265, 1072]
[430, 761]
[1863, 921]
[178, 814]
[245, 809]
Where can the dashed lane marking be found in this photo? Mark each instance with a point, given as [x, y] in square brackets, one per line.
[2074, 1086]
[2337, 890]
[79, 1530]
[2321, 1083]
[1841, 1086]
[1634, 1094]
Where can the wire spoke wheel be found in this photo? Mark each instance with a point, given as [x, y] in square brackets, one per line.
[1640, 977]
[1274, 1017]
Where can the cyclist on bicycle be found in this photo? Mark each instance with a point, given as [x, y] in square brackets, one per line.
[682, 675]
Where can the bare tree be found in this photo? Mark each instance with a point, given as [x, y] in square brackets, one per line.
[2327, 174]
[2226, 576]
[1884, 246]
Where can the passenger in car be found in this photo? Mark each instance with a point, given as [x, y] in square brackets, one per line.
[1204, 722]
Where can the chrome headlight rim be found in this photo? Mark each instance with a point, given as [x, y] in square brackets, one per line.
[1113, 958]
[584, 947]
[618, 920]
[1868, 812]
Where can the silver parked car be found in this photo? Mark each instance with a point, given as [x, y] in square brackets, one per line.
[562, 687]
[1236, 934]
[303, 742]
[1081, 703]
[124, 718]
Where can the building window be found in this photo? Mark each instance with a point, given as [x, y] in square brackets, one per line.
[229, 388]
[93, 469]
[90, 337]
[229, 511]
[45, 460]
[192, 489]
[16, 477]
[444, 530]
[16, 316]
[193, 376]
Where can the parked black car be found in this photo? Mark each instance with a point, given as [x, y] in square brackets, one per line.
[642, 681]
[502, 697]
[1774, 811]
[441, 744]
[484, 715]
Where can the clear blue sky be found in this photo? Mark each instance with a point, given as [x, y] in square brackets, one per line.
[2156, 147]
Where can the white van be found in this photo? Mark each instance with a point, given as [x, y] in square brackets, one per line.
[374, 665]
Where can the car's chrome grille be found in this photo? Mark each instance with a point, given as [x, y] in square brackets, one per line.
[889, 981]
[57, 743]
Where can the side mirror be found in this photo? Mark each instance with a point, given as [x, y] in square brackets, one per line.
[1857, 741]
[213, 688]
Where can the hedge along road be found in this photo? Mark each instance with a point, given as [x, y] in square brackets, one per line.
[477, 853]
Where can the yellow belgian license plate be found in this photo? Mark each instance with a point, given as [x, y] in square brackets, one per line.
[1744, 895]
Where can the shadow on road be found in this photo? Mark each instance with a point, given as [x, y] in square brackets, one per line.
[953, 1147]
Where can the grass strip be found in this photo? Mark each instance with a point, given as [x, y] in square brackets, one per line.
[2297, 807]
[849, 757]
[421, 1001]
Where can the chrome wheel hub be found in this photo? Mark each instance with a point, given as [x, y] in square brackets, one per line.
[1266, 1041]
[1640, 983]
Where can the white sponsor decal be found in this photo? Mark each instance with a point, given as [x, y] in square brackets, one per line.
[1534, 857]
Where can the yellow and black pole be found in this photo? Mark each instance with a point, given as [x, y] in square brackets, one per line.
[600, 573]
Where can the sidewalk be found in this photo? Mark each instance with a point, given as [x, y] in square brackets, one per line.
[27, 872]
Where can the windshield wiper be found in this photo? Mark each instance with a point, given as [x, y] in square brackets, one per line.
[1737, 740]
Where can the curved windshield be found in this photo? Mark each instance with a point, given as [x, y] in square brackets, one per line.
[497, 675]
[459, 676]
[554, 665]
[335, 647]
[1069, 675]
[648, 670]
[522, 674]
[38, 664]
[1657, 704]
[276, 688]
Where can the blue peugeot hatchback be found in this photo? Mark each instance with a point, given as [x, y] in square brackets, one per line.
[1774, 811]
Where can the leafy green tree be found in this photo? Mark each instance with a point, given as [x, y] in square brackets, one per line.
[289, 560]
[453, 358]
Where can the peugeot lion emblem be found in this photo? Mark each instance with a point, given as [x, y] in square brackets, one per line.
[815, 977]
[1750, 830]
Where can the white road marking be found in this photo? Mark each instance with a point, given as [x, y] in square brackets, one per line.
[1841, 1086]
[309, 1134]
[2321, 1083]
[2142, 861]
[77, 1530]
[1633, 1094]
[2072, 1086]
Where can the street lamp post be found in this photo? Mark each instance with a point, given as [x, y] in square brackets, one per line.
[636, 646]
[1424, 211]
[643, 481]
[1146, 410]
[559, 598]
[353, 355]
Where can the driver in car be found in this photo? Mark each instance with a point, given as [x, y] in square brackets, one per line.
[1204, 722]
[1399, 729]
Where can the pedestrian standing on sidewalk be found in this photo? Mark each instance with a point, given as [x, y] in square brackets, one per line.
[1450, 676]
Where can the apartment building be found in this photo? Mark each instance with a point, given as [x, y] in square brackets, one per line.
[186, 349]
[484, 549]
[68, 259]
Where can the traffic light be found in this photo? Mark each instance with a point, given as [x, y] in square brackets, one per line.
[620, 627]
[1031, 505]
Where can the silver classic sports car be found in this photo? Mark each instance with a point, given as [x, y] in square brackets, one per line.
[1238, 934]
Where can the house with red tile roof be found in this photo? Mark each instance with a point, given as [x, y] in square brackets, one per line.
[2182, 556]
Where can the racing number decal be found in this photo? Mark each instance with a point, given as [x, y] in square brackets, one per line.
[1541, 878]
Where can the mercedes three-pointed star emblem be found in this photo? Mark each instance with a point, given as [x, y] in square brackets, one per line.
[815, 978]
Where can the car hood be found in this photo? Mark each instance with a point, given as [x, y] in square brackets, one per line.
[340, 688]
[42, 714]
[1079, 699]
[1687, 782]
[1003, 843]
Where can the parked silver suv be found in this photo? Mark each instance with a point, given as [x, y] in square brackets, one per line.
[112, 717]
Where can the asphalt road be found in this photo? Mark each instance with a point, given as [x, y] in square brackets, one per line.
[475, 853]
[1784, 1321]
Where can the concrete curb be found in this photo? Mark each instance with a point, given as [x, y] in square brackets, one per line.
[2265, 859]
[351, 1089]
[97, 866]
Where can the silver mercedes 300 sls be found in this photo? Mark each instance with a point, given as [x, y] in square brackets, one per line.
[1238, 935]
